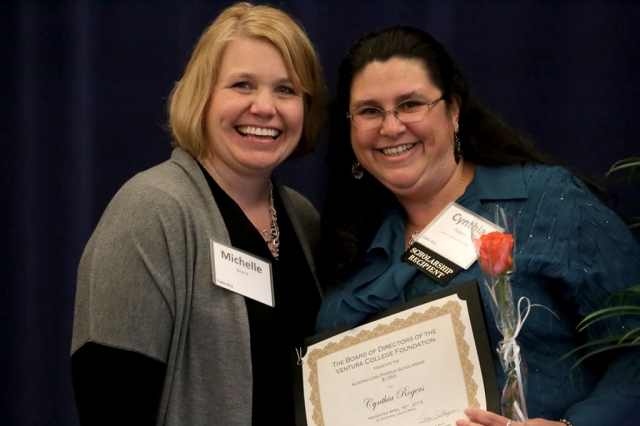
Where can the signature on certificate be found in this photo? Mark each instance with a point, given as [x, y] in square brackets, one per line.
[439, 414]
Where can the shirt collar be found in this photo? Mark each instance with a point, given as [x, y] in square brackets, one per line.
[489, 183]
[499, 183]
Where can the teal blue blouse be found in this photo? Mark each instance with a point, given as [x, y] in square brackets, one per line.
[572, 252]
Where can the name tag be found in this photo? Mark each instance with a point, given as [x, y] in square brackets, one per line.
[445, 247]
[242, 273]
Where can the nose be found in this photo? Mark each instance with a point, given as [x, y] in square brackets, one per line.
[263, 104]
[391, 125]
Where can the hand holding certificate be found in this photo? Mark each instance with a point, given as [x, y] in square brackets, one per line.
[418, 366]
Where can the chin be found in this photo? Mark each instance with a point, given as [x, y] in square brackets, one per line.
[399, 187]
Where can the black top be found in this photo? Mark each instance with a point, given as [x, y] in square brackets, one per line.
[275, 332]
[115, 386]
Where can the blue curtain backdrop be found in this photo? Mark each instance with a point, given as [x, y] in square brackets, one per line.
[83, 87]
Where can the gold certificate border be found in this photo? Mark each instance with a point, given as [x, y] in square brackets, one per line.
[450, 308]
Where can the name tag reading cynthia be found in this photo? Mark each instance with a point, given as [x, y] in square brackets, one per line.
[242, 273]
[444, 247]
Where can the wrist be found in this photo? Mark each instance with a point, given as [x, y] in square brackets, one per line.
[566, 422]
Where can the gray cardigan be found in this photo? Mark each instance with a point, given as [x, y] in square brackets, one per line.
[145, 285]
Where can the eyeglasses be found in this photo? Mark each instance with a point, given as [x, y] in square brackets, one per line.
[409, 111]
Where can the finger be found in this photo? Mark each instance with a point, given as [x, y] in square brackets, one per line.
[466, 423]
[487, 418]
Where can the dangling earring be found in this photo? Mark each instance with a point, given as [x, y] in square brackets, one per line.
[457, 150]
[356, 170]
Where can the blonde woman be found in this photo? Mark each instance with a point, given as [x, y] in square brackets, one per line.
[157, 338]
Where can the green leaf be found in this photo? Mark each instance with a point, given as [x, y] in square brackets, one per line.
[630, 335]
[604, 349]
[631, 175]
[606, 313]
[634, 222]
[612, 340]
[625, 296]
[624, 164]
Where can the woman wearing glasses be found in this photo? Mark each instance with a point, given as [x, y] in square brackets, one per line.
[418, 141]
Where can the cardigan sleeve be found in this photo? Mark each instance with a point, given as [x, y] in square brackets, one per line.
[125, 290]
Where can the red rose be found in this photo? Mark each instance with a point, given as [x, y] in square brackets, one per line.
[495, 252]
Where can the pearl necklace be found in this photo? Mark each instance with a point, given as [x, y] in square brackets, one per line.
[412, 239]
[270, 236]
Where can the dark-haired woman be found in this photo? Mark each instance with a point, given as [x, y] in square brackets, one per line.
[407, 139]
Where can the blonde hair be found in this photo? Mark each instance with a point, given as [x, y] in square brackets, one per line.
[190, 96]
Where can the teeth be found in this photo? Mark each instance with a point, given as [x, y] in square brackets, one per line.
[392, 152]
[258, 131]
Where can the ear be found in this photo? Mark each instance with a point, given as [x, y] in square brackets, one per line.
[454, 111]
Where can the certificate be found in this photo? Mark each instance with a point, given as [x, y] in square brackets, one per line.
[422, 365]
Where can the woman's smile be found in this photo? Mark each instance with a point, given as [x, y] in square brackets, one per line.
[398, 150]
[260, 132]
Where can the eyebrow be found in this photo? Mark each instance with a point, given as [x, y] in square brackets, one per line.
[398, 100]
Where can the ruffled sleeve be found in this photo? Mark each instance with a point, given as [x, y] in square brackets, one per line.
[377, 286]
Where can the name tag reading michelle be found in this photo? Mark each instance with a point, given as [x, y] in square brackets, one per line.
[242, 273]
[444, 247]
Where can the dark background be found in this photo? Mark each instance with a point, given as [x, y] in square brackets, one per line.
[83, 87]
